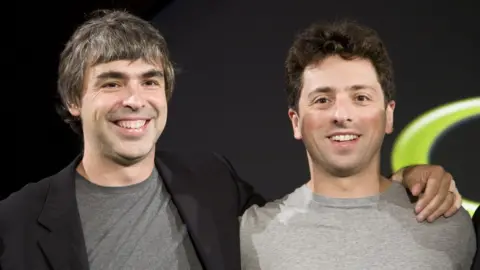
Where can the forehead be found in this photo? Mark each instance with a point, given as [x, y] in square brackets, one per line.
[337, 73]
[129, 67]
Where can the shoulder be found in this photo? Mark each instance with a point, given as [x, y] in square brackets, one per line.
[459, 230]
[256, 215]
[24, 204]
[192, 161]
[282, 210]
[209, 171]
[460, 225]
[31, 193]
[204, 170]
[454, 235]
[209, 167]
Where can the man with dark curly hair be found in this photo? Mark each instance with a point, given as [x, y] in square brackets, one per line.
[340, 92]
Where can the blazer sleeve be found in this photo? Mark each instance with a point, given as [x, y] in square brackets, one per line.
[476, 225]
[247, 196]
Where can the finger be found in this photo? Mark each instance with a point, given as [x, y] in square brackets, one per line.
[415, 177]
[444, 207]
[431, 190]
[417, 188]
[442, 190]
[456, 205]
[456, 194]
[414, 180]
[430, 208]
[458, 200]
[438, 197]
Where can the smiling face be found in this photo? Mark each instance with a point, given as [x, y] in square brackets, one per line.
[342, 117]
[123, 109]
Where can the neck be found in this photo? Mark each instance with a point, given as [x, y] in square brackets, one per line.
[363, 183]
[104, 171]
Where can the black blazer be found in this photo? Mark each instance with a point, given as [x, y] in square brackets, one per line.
[476, 224]
[40, 225]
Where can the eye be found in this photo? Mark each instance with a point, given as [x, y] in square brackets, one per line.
[362, 98]
[111, 85]
[152, 83]
[321, 100]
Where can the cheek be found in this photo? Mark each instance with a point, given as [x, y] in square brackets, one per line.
[97, 106]
[160, 104]
[157, 100]
[86, 109]
[313, 121]
[375, 120]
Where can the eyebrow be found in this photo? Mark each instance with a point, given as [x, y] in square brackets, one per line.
[319, 90]
[328, 89]
[120, 75]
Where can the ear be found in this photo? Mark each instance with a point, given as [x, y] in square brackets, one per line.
[295, 120]
[74, 109]
[389, 117]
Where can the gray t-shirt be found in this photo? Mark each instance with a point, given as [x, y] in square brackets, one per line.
[133, 227]
[308, 231]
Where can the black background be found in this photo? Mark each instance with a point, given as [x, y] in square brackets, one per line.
[230, 95]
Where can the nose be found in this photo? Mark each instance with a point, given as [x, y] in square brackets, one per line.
[134, 99]
[342, 112]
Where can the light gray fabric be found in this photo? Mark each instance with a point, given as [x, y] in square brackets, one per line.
[307, 231]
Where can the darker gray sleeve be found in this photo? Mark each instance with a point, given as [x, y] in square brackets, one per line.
[467, 243]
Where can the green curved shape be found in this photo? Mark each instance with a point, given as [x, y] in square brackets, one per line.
[415, 142]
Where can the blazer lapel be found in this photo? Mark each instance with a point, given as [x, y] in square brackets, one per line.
[193, 207]
[64, 245]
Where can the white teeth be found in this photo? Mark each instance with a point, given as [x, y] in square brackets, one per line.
[343, 138]
[132, 124]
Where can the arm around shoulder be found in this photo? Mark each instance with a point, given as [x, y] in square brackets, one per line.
[246, 193]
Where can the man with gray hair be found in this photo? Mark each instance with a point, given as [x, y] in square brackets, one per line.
[122, 203]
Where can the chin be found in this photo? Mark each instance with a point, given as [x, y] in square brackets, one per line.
[126, 158]
[343, 170]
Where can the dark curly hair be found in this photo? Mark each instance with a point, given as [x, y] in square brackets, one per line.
[346, 39]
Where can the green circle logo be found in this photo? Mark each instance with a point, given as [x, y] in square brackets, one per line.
[415, 142]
